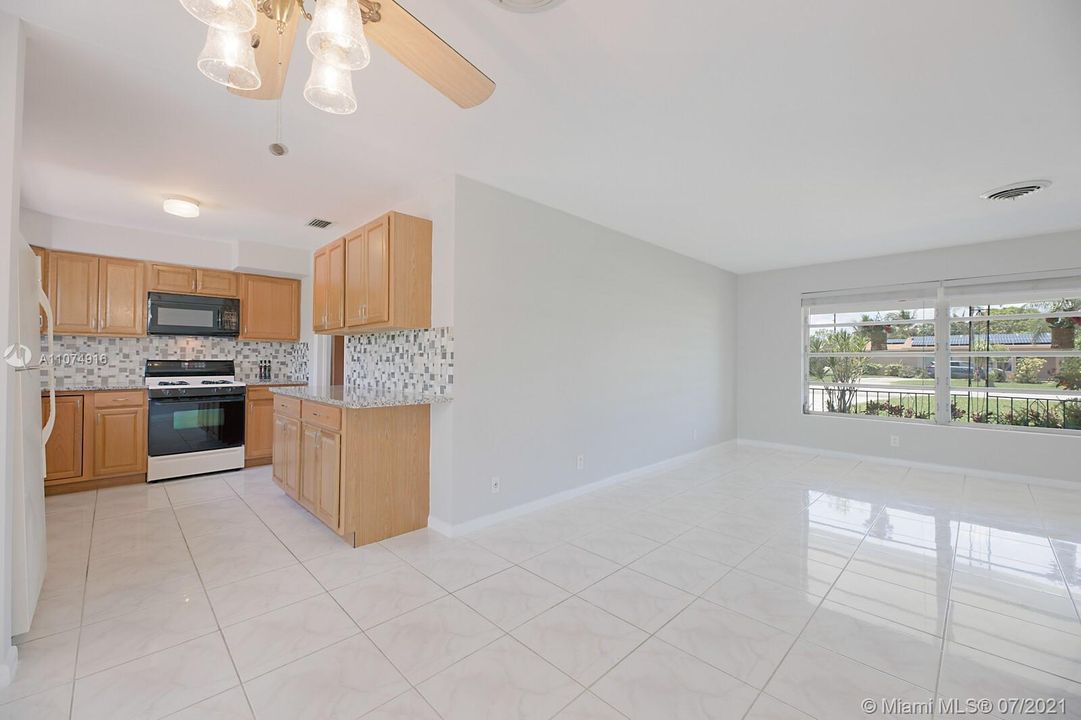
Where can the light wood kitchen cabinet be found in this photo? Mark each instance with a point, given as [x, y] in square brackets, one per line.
[328, 479]
[171, 278]
[269, 308]
[73, 293]
[287, 454]
[388, 274]
[259, 427]
[121, 297]
[363, 472]
[119, 427]
[220, 283]
[328, 275]
[64, 450]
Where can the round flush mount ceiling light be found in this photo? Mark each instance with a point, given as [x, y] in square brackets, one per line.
[181, 206]
[527, 6]
[1016, 190]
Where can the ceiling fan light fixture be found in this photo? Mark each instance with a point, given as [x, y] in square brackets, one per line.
[336, 34]
[228, 59]
[330, 88]
[229, 15]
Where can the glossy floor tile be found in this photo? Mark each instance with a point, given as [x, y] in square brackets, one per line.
[745, 583]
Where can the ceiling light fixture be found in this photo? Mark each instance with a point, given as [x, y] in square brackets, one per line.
[181, 206]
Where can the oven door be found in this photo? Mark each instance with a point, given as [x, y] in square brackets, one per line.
[192, 315]
[195, 424]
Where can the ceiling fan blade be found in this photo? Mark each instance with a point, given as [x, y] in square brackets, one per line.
[426, 54]
[266, 57]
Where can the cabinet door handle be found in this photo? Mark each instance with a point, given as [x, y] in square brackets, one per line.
[123, 399]
[193, 284]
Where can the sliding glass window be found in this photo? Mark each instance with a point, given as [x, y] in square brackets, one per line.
[983, 352]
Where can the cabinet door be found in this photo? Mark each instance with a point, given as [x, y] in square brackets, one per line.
[121, 297]
[328, 492]
[320, 287]
[287, 454]
[309, 467]
[269, 308]
[119, 441]
[259, 429]
[336, 286]
[43, 258]
[356, 278]
[221, 283]
[73, 293]
[377, 267]
[171, 278]
[64, 451]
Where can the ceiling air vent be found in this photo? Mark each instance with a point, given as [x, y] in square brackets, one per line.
[527, 6]
[318, 223]
[1016, 190]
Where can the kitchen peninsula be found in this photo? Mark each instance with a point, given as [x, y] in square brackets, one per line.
[357, 459]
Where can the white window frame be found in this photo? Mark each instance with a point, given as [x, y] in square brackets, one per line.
[946, 294]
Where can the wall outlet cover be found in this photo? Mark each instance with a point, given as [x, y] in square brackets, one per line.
[581, 462]
[495, 485]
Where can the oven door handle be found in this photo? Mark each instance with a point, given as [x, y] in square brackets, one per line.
[204, 398]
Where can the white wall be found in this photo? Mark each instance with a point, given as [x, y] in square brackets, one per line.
[769, 357]
[571, 339]
[12, 56]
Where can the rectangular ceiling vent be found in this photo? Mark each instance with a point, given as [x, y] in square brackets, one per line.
[319, 223]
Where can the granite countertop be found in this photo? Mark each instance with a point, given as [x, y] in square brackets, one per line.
[100, 385]
[273, 381]
[357, 397]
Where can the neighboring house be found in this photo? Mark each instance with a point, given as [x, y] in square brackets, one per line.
[1019, 343]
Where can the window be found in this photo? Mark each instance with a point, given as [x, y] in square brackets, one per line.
[1005, 353]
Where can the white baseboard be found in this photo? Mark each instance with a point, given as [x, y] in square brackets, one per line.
[933, 467]
[450, 530]
[8, 666]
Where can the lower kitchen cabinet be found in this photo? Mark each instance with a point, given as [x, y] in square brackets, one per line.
[259, 424]
[64, 451]
[98, 439]
[362, 471]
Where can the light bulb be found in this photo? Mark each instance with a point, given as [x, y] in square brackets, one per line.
[336, 35]
[330, 88]
[228, 58]
[229, 15]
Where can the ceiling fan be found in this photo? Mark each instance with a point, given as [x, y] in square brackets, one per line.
[249, 44]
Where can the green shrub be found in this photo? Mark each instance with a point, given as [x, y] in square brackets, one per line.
[1069, 374]
[1028, 370]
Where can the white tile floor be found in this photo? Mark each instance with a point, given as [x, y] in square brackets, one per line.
[747, 583]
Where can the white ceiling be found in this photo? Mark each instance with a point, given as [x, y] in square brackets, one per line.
[751, 135]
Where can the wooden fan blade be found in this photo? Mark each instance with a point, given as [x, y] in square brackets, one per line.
[425, 53]
[266, 57]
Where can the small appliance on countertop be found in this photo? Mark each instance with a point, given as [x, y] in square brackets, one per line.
[196, 423]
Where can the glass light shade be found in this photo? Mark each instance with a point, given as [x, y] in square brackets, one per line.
[181, 206]
[330, 88]
[228, 58]
[336, 35]
[229, 15]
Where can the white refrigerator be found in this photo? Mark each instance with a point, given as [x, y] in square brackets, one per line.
[23, 358]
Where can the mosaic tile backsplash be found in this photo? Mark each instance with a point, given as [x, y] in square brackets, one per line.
[125, 358]
[402, 361]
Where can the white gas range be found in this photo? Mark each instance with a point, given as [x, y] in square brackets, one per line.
[196, 422]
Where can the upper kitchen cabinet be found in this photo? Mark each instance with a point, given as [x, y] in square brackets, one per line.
[170, 278]
[328, 300]
[269, 308]
[221, 283]
[192, 281]
[121, 297]
[73, 293]
[388, 274]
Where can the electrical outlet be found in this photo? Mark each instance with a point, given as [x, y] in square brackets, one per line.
[694, 434]
[495, 485]
[581, 462]
[895, 441]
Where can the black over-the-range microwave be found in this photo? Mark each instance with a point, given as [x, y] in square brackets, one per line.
[169, 314]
